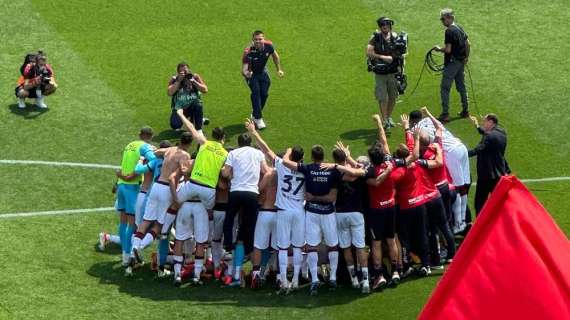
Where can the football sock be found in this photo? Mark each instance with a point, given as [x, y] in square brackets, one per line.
[198, 264]
[162, 250]
[178, 265]
[283, 258]
[114, 238]
[333, 262]
[313, 260]
[364, 273]
[129, 231]
[217, 253]
[297, 262]
[122, 228]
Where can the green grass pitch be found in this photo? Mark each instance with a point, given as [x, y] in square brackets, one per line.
[113, 59]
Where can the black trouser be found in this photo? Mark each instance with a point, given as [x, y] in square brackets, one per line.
[482, 192]
[245, 203]
[412, 232]
[447, 201]
[259, 85]
[194, 112]
[438, 222]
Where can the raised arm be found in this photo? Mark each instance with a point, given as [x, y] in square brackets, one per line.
[287, 162]
[381, 134]
[195, 134]
[436, 123]
[250, 126]
[409, 136]
[346, 150]
[173, 86]
[199, 83]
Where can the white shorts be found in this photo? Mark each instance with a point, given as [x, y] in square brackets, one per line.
[290, 226]
[265, 230]
[457, 162]
[191, 190]
[157, 203]
[350, 229]
[139, 207]
[192, 222]
[319, 226]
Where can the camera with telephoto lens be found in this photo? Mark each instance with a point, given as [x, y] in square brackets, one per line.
[45, 75]
[401, 43]
[188, 76]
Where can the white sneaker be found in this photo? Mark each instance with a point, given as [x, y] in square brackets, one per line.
[40, 103]
[125, 262]
[21, 103]
[129, 271]
[260, 124]
[294, 285]
[355, 283]
[177, 280]
[365, 286]
[163, 273]
[102, 241]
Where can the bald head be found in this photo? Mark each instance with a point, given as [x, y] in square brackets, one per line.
[424, 138]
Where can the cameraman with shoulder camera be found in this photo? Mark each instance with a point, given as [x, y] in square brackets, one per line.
[186, 90]
[385, 53]
[456, 50]
[36, 81]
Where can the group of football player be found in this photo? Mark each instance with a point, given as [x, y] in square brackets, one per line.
[382, 217]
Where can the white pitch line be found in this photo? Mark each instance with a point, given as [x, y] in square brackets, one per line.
[108, 166]
[62, 164]
[52, 213]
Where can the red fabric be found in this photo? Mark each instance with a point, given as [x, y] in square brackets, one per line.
[382, 196]
[437, 175]
[425, 184]
[514, 264]
[410, 191]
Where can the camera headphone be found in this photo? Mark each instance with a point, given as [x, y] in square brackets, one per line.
[385, 20]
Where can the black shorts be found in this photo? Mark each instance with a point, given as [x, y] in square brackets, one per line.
[381, 223]
[31, 92]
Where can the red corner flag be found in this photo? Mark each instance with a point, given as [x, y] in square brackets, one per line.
[514, 264]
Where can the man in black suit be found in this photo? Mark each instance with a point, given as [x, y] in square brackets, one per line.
[491, 162]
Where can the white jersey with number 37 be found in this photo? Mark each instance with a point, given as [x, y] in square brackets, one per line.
[290, 187]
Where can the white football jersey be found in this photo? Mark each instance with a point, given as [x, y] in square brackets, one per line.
[449, 140]
[290, 187]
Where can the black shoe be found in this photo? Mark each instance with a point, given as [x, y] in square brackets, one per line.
[443, 118]
[464, 114]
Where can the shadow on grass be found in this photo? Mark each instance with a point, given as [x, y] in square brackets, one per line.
[30, 112]
[168, 134]
[369, 136]
[145, 285]
[233, 130]
[174, 135]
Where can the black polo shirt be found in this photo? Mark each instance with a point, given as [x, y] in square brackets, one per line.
[319, 182]
[351, 195]
[455, 36]
[257, 58]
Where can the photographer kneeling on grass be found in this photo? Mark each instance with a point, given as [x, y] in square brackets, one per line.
[36, 80]
[186, 90]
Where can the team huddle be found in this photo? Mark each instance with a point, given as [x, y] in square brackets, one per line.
[289, 216]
